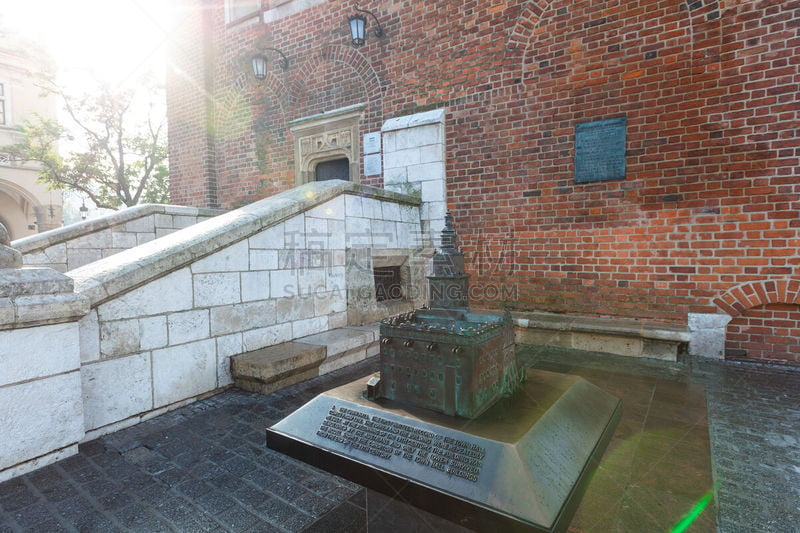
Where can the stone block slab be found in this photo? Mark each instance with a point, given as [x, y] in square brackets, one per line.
[263, 337]
[182, 372]
[219, 288]
[269, 239]
[344, 359]
[40, 417]
[333, 209]
[124, 240]
[435, 116]
[290, 309]
[340, 340]
[145, 224]
[31, 281]
[268, 388]
[607, 343]
[116, 389]
[188, 326]
[227, 347]
[119, 337]
[34, 353]
[308, 326]
[234, 258]
[277, 362]
[163, 295]
[89, 333]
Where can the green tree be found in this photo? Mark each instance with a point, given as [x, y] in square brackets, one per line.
[112, 152]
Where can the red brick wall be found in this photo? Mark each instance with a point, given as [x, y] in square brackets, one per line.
[191, 145]
[710, 201]
[767, 332]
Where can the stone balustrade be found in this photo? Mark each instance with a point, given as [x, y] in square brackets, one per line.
[151, 328]
[79, 244]
[167, 315]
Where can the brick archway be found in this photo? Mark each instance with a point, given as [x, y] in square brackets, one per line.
[739, 299]
[345, 55]
[765, 320]
[704, 17]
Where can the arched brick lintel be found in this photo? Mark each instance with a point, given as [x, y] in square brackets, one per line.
[757, 293]
[704, 17]
[348, 56]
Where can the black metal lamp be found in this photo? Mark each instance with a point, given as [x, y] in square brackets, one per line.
[358, 27]
[83, 209]
[260, 63]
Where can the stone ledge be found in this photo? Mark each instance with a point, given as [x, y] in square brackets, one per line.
[38, 296]
[435, 116]
[269, 369]
[110, 277]
[628, 337]
[39, 242]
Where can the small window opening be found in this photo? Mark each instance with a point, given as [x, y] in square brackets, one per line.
[338, 169]
[388, 283]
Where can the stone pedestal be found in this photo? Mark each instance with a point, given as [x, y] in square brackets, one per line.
[40, 382]
[521, 466]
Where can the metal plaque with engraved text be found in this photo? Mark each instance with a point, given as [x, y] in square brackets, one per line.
[600, 150]
[385, 438]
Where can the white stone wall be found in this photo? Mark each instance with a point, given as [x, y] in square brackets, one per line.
[414, 164]
[41, 413]
[171, 339]
[74, 246]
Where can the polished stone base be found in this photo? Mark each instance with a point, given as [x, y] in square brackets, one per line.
[521, 466]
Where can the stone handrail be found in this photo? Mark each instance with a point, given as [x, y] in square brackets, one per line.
[110, 277]
[38, 242]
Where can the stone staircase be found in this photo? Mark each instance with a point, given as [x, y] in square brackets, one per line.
[275, 367]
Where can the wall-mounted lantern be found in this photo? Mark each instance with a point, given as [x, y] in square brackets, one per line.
[358, 27]
[260, 62]
[83, 209]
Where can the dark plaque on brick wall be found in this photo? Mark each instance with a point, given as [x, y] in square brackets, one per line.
[600, 150]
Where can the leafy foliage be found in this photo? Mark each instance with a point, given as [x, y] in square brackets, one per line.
[114, 156]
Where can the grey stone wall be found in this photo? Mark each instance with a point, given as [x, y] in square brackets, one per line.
[167, 316]
[79, 244]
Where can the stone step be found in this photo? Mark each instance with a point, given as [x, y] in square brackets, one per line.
[275, 367]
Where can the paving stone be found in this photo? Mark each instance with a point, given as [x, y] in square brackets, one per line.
[50, 526]
[95, 522]
[237, 518]
[193, 488]
[92, 448]
[345, 517]
[183, 470]
[283, 514]
[74, 508]
[10, 502]
[30, 516]
[59, 492]
[215, 502]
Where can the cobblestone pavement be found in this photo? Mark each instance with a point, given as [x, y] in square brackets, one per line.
[205, 467]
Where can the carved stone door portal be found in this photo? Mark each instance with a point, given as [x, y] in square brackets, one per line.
[327, 146]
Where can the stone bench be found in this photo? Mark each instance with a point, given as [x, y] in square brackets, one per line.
[619, 336]
[275, 367]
